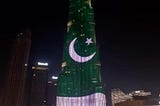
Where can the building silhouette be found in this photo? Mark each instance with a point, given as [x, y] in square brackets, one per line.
[39, 83]
[140, 101]
[14, 87]
[6, 45]
[135, 98]
[52, 91]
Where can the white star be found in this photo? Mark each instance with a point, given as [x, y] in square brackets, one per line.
[88, 41]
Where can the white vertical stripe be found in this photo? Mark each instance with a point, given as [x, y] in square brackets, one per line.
[97, 99]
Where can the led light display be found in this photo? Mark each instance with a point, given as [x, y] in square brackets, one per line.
[79, 83]
[97, 99]
[77, 57]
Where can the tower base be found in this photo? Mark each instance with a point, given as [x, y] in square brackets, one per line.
[96, 99]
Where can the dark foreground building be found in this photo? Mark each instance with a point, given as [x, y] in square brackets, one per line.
[38, 96]
[13, 94]
[139, 101]
[6, 43]
[52, 91]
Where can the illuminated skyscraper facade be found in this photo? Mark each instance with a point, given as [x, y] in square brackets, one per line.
[13, 94]
[80, 83]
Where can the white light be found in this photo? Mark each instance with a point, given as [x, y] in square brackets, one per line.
[159, 102]
[54, 77]
[43, 64]
[137, 91]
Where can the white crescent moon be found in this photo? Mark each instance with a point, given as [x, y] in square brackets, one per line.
[77, 57]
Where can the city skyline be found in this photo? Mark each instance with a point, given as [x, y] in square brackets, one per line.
[126, 35]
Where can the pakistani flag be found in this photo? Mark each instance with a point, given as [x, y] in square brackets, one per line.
[80, 83]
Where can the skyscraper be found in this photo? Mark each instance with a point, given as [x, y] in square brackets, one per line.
[38, 96]
[80, 83]
[13, 94]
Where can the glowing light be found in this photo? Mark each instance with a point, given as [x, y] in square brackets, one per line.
[90, 4]
[64, 64]
[69, 24]
[42, 64]
[54, 77]
[82, 35]
[137, 91]
[33, 67]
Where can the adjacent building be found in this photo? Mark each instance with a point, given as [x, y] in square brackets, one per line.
[135, 98]
[52, 91]
[118, 96]
[14, 87]
[140, 101]
[38, 96]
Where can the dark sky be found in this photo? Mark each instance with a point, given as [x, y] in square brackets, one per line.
[127, 35]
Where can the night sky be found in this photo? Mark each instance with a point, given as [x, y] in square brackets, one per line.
[127, 36]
